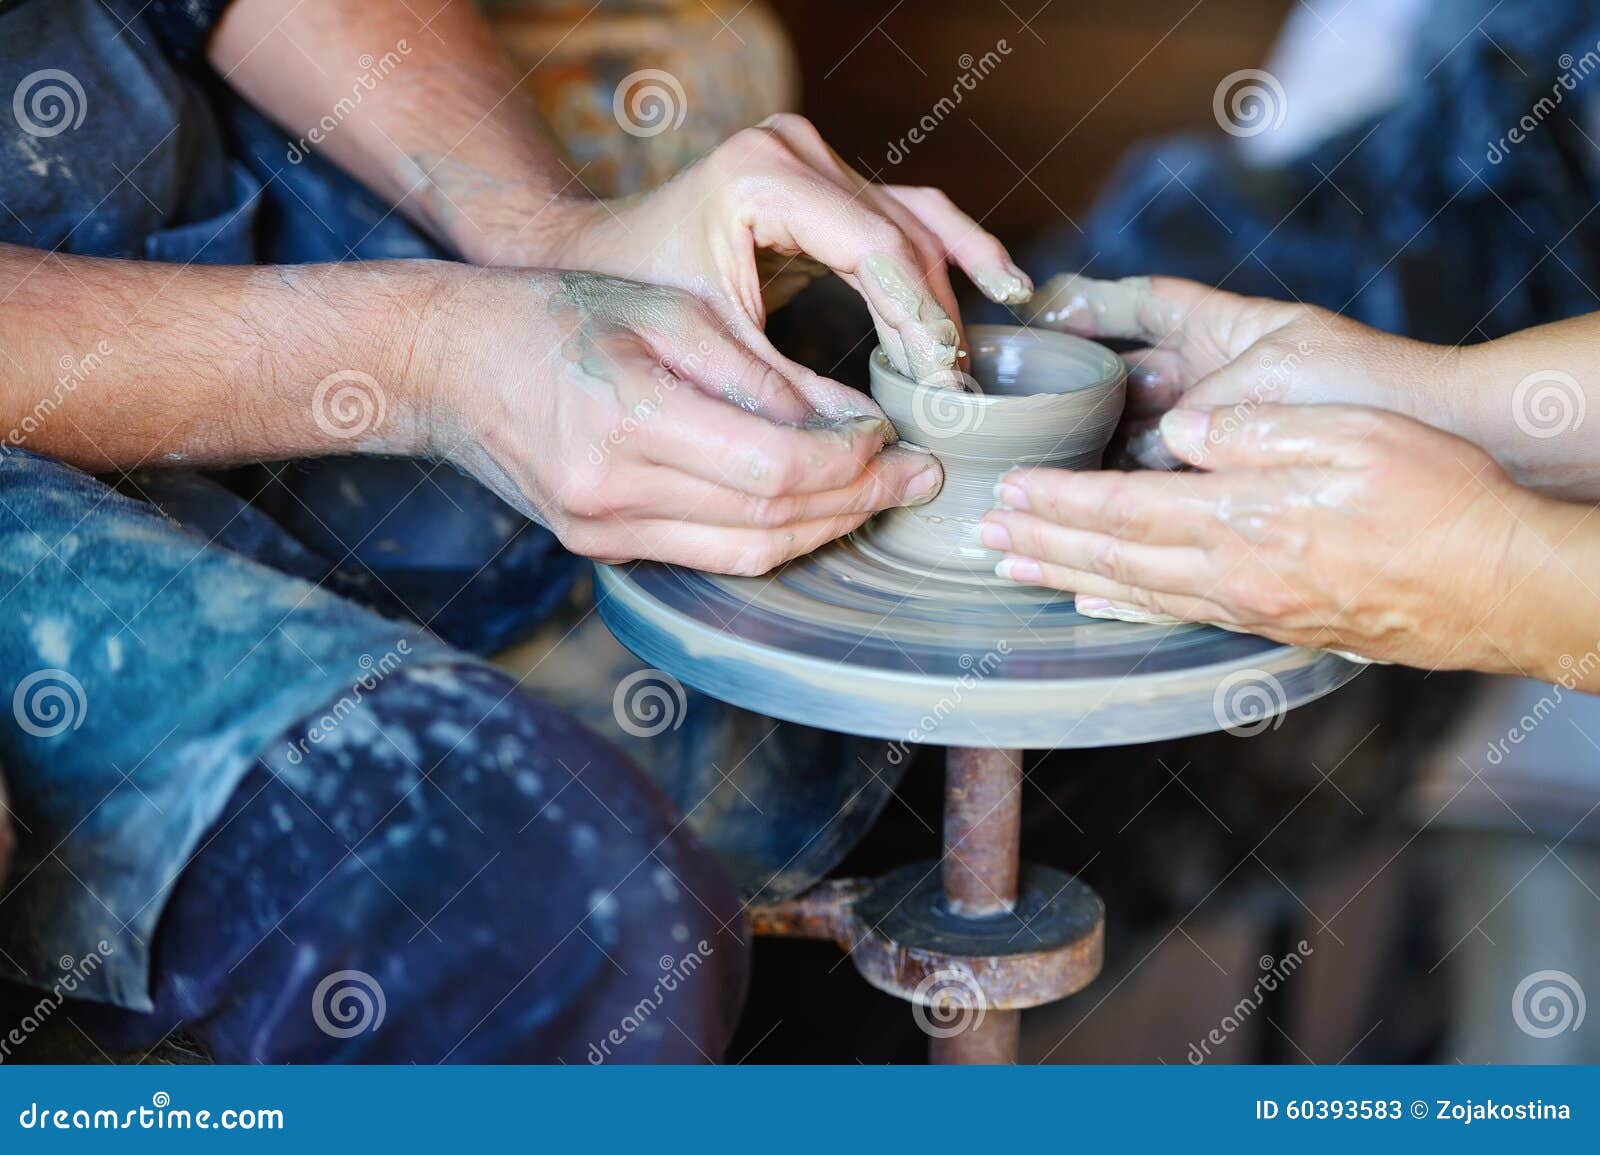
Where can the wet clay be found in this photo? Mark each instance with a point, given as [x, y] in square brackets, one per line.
[1037, 398]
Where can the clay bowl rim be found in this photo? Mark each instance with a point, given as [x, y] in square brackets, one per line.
[1115, 370]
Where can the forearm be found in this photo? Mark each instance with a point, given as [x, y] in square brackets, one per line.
[118, 364]
[420, 104]
[1534, 399]
[1546, 623]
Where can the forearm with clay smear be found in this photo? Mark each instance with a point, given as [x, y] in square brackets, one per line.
[123, 364]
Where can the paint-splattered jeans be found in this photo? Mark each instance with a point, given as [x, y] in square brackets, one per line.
[301, 831]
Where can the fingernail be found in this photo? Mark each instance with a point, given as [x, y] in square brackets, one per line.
[995, 536]
[1090, 607]
[1009, 496]
[1184, 431]
[924, 486]
[1004, 284]
[1019, 569]
[867, 426]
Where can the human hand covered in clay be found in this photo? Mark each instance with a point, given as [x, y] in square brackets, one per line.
[625, 418]
[1208, 348]
[749, 224]
[1325, 526]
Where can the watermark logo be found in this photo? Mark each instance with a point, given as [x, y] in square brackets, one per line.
[1248, 702]
[1249, 102]
[49, 702]
[348, 403]
[49, 102]
[1548, 403]
[1274, 973]
[1548, 1003]
[649, 102]
[973, 70]
[649, 702]
[949, 1002]
[373, 70]
[348, 1003]
[947, 409]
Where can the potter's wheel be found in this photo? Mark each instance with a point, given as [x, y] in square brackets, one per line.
[903, 631]
[846, 642]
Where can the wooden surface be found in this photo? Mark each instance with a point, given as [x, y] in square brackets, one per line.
[1038, 135]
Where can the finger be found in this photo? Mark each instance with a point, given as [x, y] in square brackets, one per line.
[1185, 570]
[1157, 378]
[876, 258]
[706, 351]
[1158, 508]
[717, 442]
[977, 251]
[1092, 590]
[1274, 435]
[715, 549]
[896, 477]
[1148, 309]
[808, 145]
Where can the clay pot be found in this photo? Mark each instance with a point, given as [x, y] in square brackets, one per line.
[1046, 399]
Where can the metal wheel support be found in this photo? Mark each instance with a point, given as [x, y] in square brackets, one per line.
[971, 939]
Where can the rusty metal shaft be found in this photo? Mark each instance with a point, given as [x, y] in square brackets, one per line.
[982, 830]
[982, 859]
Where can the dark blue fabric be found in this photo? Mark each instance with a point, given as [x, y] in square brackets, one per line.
[1426, 221]
[502, 885]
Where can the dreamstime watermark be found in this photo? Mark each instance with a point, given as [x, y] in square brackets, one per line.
[49, 702]
[372, 72]
[649, 702]
[1276, 372]
[373, 672]
[1275, 973]
[74, 372]
[649, 102]
[75, 972]
[348, 403]
[949, 1002]
[1548, 403]
[1572, 71]
[49, 102]
[1548, 1003]
[1575, 670]
[160, 1115]
[348, 1003]
[1249, 702]
[973, 69]
[974, 671]
[1249, 102]
[669, 375]
[945, 410]
[676, 972]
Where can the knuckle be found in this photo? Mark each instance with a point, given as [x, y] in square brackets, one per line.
[769, 512]
[1109, 556]
[588, 493]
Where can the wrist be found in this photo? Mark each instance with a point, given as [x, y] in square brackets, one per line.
[1548, 620]
[417, 354]
[525, 229]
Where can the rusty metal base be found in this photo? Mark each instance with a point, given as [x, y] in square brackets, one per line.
[969, 940]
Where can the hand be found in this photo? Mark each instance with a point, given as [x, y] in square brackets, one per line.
[749, 224]
[1325, 526]
[627, 420]
[1209, 349]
